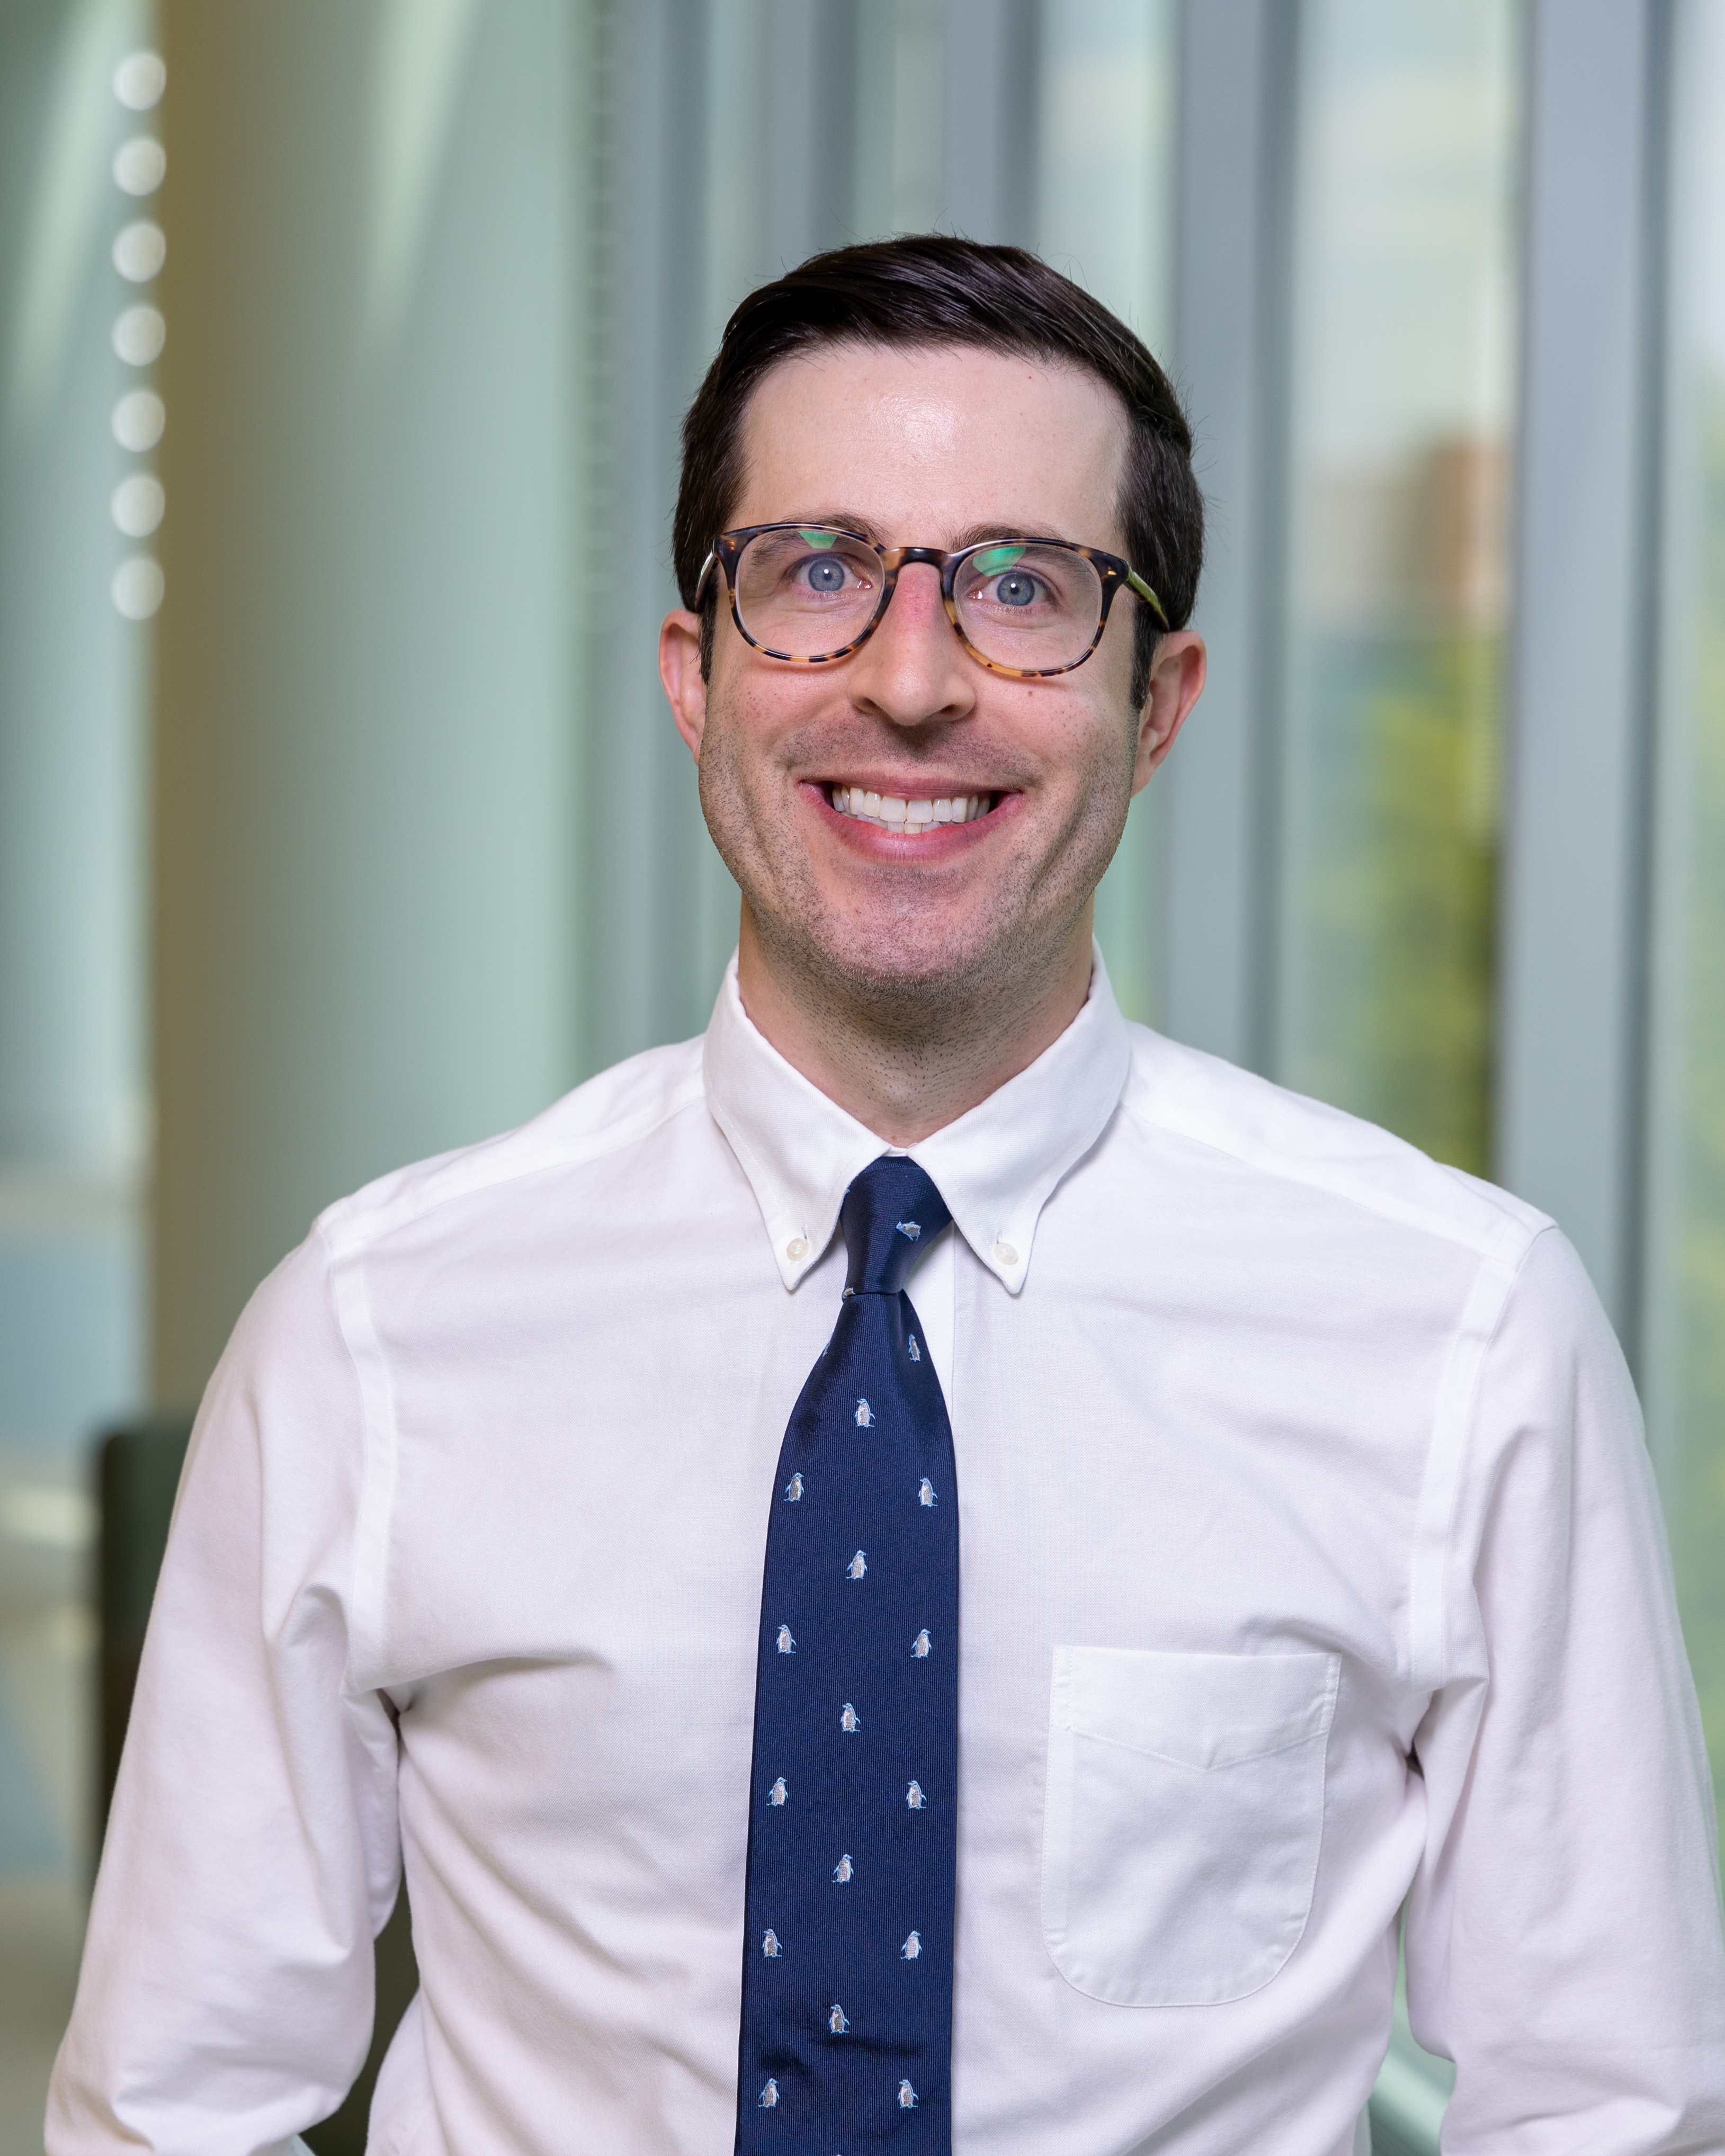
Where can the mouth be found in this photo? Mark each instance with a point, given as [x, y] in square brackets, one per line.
[906, 816]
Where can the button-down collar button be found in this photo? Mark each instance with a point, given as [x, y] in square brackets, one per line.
[797, 1248]
[1004, 1254]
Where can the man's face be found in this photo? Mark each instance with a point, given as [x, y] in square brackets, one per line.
[934, 447]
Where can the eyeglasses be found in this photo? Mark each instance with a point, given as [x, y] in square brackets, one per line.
[809, 594]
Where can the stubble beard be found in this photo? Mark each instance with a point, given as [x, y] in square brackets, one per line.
[925, 991]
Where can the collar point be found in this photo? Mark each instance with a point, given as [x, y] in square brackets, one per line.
[795, 1254]
[1009, 1259]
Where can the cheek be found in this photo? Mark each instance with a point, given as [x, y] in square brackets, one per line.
[1092, 740]
[755, 718]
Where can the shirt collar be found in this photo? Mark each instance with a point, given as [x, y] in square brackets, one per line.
[995, 1167]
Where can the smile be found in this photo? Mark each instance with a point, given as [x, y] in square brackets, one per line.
[893, 813]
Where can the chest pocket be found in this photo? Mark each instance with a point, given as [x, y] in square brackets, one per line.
[1183, 1814]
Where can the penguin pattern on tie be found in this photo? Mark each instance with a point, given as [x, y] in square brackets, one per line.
[854, 1881]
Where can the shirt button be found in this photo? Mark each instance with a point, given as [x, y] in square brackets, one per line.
[798, 1247]
[1004, 1254]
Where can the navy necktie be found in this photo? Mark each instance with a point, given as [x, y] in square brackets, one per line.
[847, 1976]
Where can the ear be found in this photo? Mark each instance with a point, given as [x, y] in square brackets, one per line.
[679, 669]
[1176, 684]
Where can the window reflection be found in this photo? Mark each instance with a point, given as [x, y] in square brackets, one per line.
[1104, 215]
[1684, 1329]
[1395, 593]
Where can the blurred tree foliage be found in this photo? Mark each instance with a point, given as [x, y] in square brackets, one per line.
[1398, 893]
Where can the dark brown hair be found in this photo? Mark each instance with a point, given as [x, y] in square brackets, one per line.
[929, 289]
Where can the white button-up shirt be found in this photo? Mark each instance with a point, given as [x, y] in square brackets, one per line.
[1312, 1569]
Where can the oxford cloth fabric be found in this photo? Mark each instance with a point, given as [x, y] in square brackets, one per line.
[1300, 1483]
[847, 1961]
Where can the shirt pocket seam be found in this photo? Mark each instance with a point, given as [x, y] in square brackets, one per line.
[1095, 1736]
[1075, 1966]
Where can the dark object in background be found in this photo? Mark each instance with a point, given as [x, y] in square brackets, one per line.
[137, 1477]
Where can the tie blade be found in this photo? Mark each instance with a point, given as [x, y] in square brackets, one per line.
[852, 1856]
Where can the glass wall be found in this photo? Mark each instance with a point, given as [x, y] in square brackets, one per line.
[1395, 598]
[1104, 213]
[78, 254]
[1684, 1323]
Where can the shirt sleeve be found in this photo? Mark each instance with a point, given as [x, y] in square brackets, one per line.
[1562, 1936]
[225, 2000]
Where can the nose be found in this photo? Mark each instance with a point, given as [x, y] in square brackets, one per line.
[913, 671]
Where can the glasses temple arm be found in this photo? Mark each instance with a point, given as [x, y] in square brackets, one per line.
[1138, 585]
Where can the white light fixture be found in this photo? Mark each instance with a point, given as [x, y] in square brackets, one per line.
[140, 166]
[139, 79]
[139, 336]
[138, 504]
[137, 587]
[139, 419]
[140, 251]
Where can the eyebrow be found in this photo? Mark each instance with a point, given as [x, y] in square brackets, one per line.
[972, 535]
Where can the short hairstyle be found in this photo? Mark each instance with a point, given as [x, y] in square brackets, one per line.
[929, 289]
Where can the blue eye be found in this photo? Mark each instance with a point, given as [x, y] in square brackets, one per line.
[1014, 589]
[824, 575]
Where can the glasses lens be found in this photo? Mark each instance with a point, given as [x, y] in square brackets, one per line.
[1035, 607]
[801, 593]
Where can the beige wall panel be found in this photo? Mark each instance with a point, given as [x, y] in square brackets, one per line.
[363, 763]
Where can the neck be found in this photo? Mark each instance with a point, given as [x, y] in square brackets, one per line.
[905, 1070]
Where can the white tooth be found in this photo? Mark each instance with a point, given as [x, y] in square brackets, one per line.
[976, 805]
[893, 809]
[943, 811]
[871, 806]
[919, 812]
[853, 801]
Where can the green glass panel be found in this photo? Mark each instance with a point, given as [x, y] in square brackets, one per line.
[1684, 1300]
[1103, 213]
[1400, 396]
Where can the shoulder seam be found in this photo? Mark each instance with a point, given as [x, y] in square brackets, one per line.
[1311, 1176]
[1455, 1417]
[345, 1285]
[346, 1232]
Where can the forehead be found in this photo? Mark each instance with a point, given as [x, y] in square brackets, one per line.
[933, 442]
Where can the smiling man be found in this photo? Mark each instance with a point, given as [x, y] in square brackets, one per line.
[932, 1570]
[918, 818]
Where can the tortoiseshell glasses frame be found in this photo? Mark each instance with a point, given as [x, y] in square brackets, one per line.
[1113, 574]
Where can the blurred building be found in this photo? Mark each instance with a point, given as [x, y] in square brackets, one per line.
[341, 822]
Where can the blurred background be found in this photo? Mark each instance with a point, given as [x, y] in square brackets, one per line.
[342, 346]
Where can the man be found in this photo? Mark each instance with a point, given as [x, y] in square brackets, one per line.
[839, 1681]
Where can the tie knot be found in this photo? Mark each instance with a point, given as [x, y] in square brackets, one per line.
[889, 1215]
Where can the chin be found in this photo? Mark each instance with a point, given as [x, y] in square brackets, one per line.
[911, 962]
